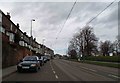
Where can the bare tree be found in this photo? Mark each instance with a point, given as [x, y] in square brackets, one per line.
[84, 42]
[73, 54]
[106, 48]
[72, 48]
[116, 46]
[89, 41]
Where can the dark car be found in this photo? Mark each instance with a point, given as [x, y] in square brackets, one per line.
[29, 63]
[48, 57]
[45, 59]
[41, 60]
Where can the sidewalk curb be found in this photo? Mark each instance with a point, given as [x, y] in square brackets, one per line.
[9, 74]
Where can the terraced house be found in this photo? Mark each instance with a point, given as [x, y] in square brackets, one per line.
[17, 44]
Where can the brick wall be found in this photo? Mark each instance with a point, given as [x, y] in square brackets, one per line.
[12, 55]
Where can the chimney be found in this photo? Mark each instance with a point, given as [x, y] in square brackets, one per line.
[8, 15]
[34, 39]
[24, 33]
[18, 25]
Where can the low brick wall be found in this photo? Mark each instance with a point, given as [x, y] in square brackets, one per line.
[11, 55]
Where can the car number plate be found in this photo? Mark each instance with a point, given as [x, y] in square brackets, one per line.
[25, 67]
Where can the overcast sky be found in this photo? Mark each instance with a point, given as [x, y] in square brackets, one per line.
[50, 16]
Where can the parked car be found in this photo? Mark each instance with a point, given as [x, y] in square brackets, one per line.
[45, 59]
[41, 60]
[29, 63]
[48, 57]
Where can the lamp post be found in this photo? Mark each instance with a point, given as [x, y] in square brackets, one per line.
[31, 26]
[31, 35]
[43, 46]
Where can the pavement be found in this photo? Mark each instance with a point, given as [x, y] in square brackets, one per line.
[8, 71]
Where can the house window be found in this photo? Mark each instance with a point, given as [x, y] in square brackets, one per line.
[21, 43]
[28, 46]
[2, 29]
[25, 44]
[21, 36]
[7, 33]
[15, 30]
[11, 37]
[39, 46]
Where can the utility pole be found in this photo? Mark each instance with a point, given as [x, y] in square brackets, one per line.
[31, 26]
[43, 46]
[31, 35]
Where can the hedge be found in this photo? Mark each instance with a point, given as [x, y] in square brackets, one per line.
[104, 58]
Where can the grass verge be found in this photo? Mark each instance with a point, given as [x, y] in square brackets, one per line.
[107, 64]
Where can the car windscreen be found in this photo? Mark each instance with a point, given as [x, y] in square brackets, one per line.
[30, 59]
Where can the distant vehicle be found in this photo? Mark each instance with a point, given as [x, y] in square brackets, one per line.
[48, 57]
[45, 59]
[41, 60]
[29, 63]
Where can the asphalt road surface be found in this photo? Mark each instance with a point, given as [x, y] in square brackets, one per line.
[64, 70]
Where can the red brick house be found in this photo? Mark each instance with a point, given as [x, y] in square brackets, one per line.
[17, 44]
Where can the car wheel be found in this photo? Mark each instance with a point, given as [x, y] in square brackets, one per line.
[19, 71]
[39, 67]
[40, 64]
[36, 69]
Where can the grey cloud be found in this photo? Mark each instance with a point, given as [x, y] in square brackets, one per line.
[112, 18]
[50, 16]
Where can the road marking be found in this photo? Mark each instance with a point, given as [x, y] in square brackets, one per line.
[113, 76]
[54, 72]
[89, 69]
[56, 76]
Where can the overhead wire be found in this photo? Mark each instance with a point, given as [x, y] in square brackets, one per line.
[86, 23]
[65, 21]
[100, 12]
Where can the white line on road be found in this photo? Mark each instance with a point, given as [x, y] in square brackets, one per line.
[54, 72]
[56, 76]
[113, 76]
[89, 69]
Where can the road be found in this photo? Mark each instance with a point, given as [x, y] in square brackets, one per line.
[64, 70]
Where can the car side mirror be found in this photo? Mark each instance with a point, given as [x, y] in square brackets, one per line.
[21, 60]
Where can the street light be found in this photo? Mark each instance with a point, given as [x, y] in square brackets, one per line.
[31, 34]
[43, 47]
[31, 26]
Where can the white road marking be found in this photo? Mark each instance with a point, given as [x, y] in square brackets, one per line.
[56, 76]
[89, 69]
[54, 72]
[113, 76]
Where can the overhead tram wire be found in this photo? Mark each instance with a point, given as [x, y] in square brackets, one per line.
[99, 13]
[87, 22]
[66, 20]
